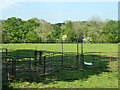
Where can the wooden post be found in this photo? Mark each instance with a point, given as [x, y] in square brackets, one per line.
[6, 52]
[40, 58]
[35, 56]
[44, 71]
[110, 62]
[6, 55]
[53, 54]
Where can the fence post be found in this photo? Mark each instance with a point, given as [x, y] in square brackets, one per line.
[6, 55]
[35, 56]
[30, 69]
[14, 68]
[62, 54]
[110, 62]
[82, 61]
[7, 73]
[62, 59]
[44, 71]
[77, 61]
[40, 58]
[93, 60]
[6, 52]
[72, 59]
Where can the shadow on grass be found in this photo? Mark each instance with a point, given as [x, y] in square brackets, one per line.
[100, 64]
[6, 86]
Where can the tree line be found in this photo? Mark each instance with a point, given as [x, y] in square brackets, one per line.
[16, 30]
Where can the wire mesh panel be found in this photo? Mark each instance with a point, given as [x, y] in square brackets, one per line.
[69, 59]
[52, 61]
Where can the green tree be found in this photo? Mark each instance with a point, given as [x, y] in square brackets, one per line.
[11, 29]
[43, 30]
[111, 31]
[54, 36]
[15, 30]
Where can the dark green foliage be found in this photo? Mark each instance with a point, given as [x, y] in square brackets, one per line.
[54, 35]
[111, 31]
[15, 30]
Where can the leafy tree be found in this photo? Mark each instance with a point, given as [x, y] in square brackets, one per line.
[27, 28]
[54, 36]
[38, 30]
[111, 31]
[31, 37]
[67, 29]
[43, 30]
[11, 31]
[15, 30]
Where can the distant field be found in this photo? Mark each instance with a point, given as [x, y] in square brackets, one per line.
[66, 47]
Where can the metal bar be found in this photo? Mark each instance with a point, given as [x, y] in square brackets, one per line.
[62, 54]
[77, 45]
[77, 61]
[82, 61]
[82, 43]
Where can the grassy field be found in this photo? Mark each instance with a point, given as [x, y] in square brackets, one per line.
[71, 78]
[66, 47]
[68, 79]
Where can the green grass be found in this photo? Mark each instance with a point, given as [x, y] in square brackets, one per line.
[70, 78]
[66, 47]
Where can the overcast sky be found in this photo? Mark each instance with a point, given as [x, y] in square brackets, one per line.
[56, 11]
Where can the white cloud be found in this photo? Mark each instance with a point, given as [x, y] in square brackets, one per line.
[7, 4]
[67, 0]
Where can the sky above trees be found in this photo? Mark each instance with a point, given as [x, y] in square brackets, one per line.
[58, 12]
